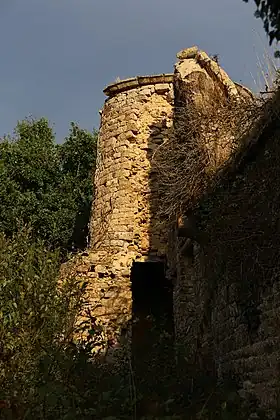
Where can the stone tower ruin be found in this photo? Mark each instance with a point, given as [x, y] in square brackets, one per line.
[144, 257]
[136, 118]
[139, 115]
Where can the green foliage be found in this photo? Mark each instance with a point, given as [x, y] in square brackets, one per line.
[45, 185]
[77, 156]
[269, 12]
[36, 321]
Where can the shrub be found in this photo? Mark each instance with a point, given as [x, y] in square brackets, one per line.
[36, 324]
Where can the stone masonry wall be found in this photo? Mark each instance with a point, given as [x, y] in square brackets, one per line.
[240, 313]
[228, 291]
[203, 97]
[136, 118]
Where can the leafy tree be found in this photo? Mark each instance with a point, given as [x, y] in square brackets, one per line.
[269, 12]
[45, 185]
[77, 156]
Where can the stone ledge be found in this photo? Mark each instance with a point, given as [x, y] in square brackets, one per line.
[134, 82]
[245, 89]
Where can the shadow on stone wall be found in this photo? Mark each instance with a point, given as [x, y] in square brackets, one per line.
[152, 340]
[228, 282]
[236, 274]
[241, 264]
[185, 377]
[152, 333]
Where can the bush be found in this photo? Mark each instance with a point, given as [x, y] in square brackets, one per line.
[36, 324]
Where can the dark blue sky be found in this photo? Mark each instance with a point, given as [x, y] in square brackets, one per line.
[58, 55]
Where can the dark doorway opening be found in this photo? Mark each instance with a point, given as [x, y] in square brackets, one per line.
[152, 330]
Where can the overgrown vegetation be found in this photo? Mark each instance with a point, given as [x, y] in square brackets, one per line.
[44, 372]
[203, 142]
[36, 327]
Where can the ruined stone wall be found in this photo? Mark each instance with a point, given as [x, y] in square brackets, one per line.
[225, 285]
[136, 118]
[205, 129]
[234, 278]
[241, 265]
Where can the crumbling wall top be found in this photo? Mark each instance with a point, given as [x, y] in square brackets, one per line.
[134, 82]
[190, 57]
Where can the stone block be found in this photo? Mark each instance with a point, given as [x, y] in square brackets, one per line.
[162, 88]
[187, 53]
[116, 243]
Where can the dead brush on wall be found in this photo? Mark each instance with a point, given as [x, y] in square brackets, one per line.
[204, 141]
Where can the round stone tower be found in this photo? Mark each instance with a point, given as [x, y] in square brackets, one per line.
[137, 117]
